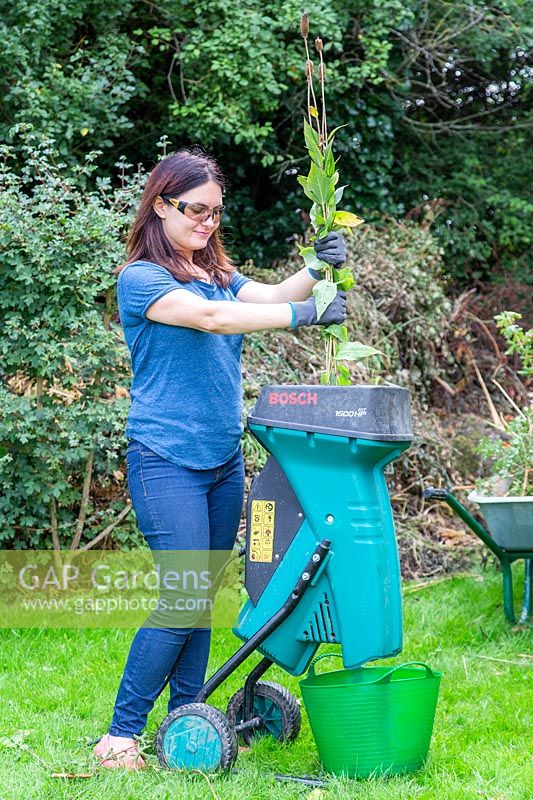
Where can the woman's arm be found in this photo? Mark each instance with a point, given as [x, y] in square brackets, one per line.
[183, 308]
[297, 287]
[180, 307]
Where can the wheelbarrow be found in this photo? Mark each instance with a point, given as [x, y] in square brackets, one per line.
[321, 561]
[504, 544]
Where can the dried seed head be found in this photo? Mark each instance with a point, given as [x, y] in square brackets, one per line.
[321, 73]
[309, 68]
[304, 25]
[319, 44]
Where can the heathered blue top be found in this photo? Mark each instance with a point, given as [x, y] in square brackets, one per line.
[186, 395]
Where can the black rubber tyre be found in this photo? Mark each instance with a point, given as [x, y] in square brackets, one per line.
[267, 695]
[196, 736]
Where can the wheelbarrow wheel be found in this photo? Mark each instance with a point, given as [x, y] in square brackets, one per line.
[277, 707]
[196, 736]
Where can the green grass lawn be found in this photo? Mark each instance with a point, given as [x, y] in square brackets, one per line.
[58, 687]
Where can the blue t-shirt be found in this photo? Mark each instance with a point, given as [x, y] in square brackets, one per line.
[186, 395]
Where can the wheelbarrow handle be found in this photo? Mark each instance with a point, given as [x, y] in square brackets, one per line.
[431, 493]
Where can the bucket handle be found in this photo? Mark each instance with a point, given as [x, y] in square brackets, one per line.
[384, 678]
[317, 658]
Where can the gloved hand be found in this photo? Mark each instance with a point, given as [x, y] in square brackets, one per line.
[330, 249]
[304, 312]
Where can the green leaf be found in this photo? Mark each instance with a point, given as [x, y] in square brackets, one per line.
[331, 217]
[354, 351]
[337, 197]
[311, 142]
[347, 220]
[317, 218]
[344, 278]
[329, 162]
[340, 332]
[310, 132]
[320, 185]
[334, 131]
[310, 258]
[324, 379]
[343, 375]
[303, 181]
[323, 292]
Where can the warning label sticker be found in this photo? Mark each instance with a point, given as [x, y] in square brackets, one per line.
[262, 530]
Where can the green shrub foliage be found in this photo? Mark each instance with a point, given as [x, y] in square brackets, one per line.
[64, 370]
[435, 95]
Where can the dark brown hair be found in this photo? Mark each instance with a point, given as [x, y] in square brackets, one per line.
[147, 241]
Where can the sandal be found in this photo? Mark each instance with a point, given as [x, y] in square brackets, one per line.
[127, 757]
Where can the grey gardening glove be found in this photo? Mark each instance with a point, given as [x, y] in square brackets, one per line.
[330, 249]
[304, 312]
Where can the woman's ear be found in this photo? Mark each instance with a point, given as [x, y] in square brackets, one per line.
[159, 207]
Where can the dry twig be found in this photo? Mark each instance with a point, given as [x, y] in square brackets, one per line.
[82, 516]
[102, 535]
[497, 420]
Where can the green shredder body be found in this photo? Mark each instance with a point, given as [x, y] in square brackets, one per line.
[372, 720]
[325, 479]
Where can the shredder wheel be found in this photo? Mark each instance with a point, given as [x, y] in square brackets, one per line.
[196, 736]
[278, 708]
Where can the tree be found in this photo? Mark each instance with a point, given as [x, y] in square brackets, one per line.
[436, 94]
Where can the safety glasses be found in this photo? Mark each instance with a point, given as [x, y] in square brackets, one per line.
[196, 211]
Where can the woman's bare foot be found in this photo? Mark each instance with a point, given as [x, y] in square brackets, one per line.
[118, 751]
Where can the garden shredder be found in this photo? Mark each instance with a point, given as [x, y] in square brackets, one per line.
[321, 560]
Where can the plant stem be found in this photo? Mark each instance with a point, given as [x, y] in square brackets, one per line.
[310, 87]
[329, 343]
[322, 130]
[331, 364]
[53, 520]
[108, 309]
[102, 535]
[324, 125]
[55, 535]
[84, 501]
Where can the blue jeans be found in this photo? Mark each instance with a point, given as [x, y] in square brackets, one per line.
[177, 508]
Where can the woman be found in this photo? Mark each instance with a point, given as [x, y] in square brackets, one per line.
[184, 309]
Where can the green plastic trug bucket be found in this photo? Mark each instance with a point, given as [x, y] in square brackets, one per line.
[372, 720]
